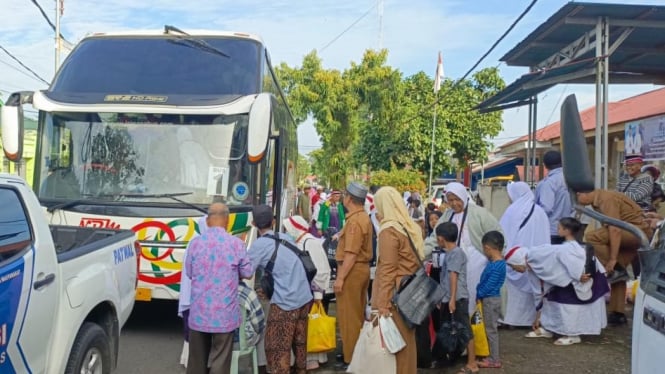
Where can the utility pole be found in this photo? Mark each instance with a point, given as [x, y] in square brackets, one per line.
[58, 7]
[380, 24]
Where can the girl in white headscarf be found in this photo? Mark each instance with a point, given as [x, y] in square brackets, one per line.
[473, 221]
[298, 229]
[571, 295]
[524, 223]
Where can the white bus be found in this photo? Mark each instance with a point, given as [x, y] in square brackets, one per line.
[143, 130]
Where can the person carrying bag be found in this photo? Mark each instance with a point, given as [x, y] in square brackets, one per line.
[398, 259]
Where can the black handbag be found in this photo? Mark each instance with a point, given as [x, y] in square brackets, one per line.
[267, 280]
[418, 294]
[453, 337]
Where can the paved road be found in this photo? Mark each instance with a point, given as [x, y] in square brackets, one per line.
[152, 340]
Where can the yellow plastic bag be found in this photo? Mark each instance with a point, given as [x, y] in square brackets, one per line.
[479, 334]
[320, 330]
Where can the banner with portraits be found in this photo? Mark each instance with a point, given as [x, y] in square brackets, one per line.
[646, 137]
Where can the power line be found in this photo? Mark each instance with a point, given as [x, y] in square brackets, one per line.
[563, 92]
[349, 28]
[18, 70]
[22, 64]
[41, 10]
[460, 80]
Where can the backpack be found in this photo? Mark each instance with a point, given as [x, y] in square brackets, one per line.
[268, 281]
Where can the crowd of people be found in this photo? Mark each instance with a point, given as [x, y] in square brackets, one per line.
[538, 266]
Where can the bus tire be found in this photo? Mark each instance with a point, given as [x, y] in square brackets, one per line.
[91, 352]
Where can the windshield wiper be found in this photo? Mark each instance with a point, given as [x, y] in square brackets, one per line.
[67, 204]
[10, 235]
[172, 196]
[193, 43]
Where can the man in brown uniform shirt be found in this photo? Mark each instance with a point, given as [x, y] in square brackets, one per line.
[614, 247]
[354, 252]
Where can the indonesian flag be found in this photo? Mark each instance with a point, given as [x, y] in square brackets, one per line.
[439, 74]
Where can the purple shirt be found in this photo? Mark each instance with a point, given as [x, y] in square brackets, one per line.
[215, 263]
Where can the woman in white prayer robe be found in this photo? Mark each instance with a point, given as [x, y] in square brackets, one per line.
[473, 222]
[524, 224]
[572, 287]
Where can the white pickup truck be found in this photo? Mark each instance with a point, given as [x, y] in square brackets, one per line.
[65, 291]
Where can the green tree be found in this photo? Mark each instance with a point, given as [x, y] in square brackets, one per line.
[304, 168]
[402, 179]
[370, 115]
[329, 98]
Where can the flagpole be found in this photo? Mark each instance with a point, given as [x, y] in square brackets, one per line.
[58, 8]
[437, 85]
[431, 154]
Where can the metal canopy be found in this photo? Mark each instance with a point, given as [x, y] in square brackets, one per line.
[637, 38]
[583, 43]
[523, 90]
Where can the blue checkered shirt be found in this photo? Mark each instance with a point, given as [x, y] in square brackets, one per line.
[256, 320]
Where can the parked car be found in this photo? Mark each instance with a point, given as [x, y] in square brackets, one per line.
[65, 291]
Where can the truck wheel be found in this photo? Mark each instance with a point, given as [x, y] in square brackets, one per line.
[91, 353]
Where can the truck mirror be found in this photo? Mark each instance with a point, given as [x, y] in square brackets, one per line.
[11, 119]
[574, 154]
[260, 119]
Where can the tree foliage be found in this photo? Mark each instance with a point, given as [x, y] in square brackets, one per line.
[304, 168]
[402, 179]
[371, 115]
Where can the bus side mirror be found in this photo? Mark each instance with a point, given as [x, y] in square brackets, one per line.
[574, 154]
[11, 119]
[260, 119]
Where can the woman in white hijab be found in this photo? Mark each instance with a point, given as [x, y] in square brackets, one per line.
[396, 259]
[524, 223]
[473, 222]
[298, 229]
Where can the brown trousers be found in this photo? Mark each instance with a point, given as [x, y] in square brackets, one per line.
[286, 331]
[351, 303]
[209, 352]
[407, 358]
[600, 240]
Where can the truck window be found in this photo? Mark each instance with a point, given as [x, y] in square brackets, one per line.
[15, 234]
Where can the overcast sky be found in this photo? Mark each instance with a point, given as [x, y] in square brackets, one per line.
[413, 31]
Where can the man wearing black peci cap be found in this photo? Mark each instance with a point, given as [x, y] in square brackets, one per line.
[552, 194]
[354, 252]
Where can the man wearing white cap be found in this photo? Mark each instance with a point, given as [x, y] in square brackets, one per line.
[298, 229]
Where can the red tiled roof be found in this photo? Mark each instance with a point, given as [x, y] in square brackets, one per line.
[633, 108]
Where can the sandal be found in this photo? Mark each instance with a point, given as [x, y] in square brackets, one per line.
[467, 370]
[568, 340]
[538, 333]
[489, 364]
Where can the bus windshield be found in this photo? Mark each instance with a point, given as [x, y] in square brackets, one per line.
[137, 157]
[159, 65]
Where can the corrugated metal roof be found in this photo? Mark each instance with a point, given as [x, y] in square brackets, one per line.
[529, 85]
[645, 105]
[562, 50]
[641, 51]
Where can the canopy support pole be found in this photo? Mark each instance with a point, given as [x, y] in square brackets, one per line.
[602, 75]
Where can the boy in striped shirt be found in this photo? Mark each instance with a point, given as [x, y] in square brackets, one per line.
[488, 292]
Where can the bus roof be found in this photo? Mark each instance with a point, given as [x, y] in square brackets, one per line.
[195, 32]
